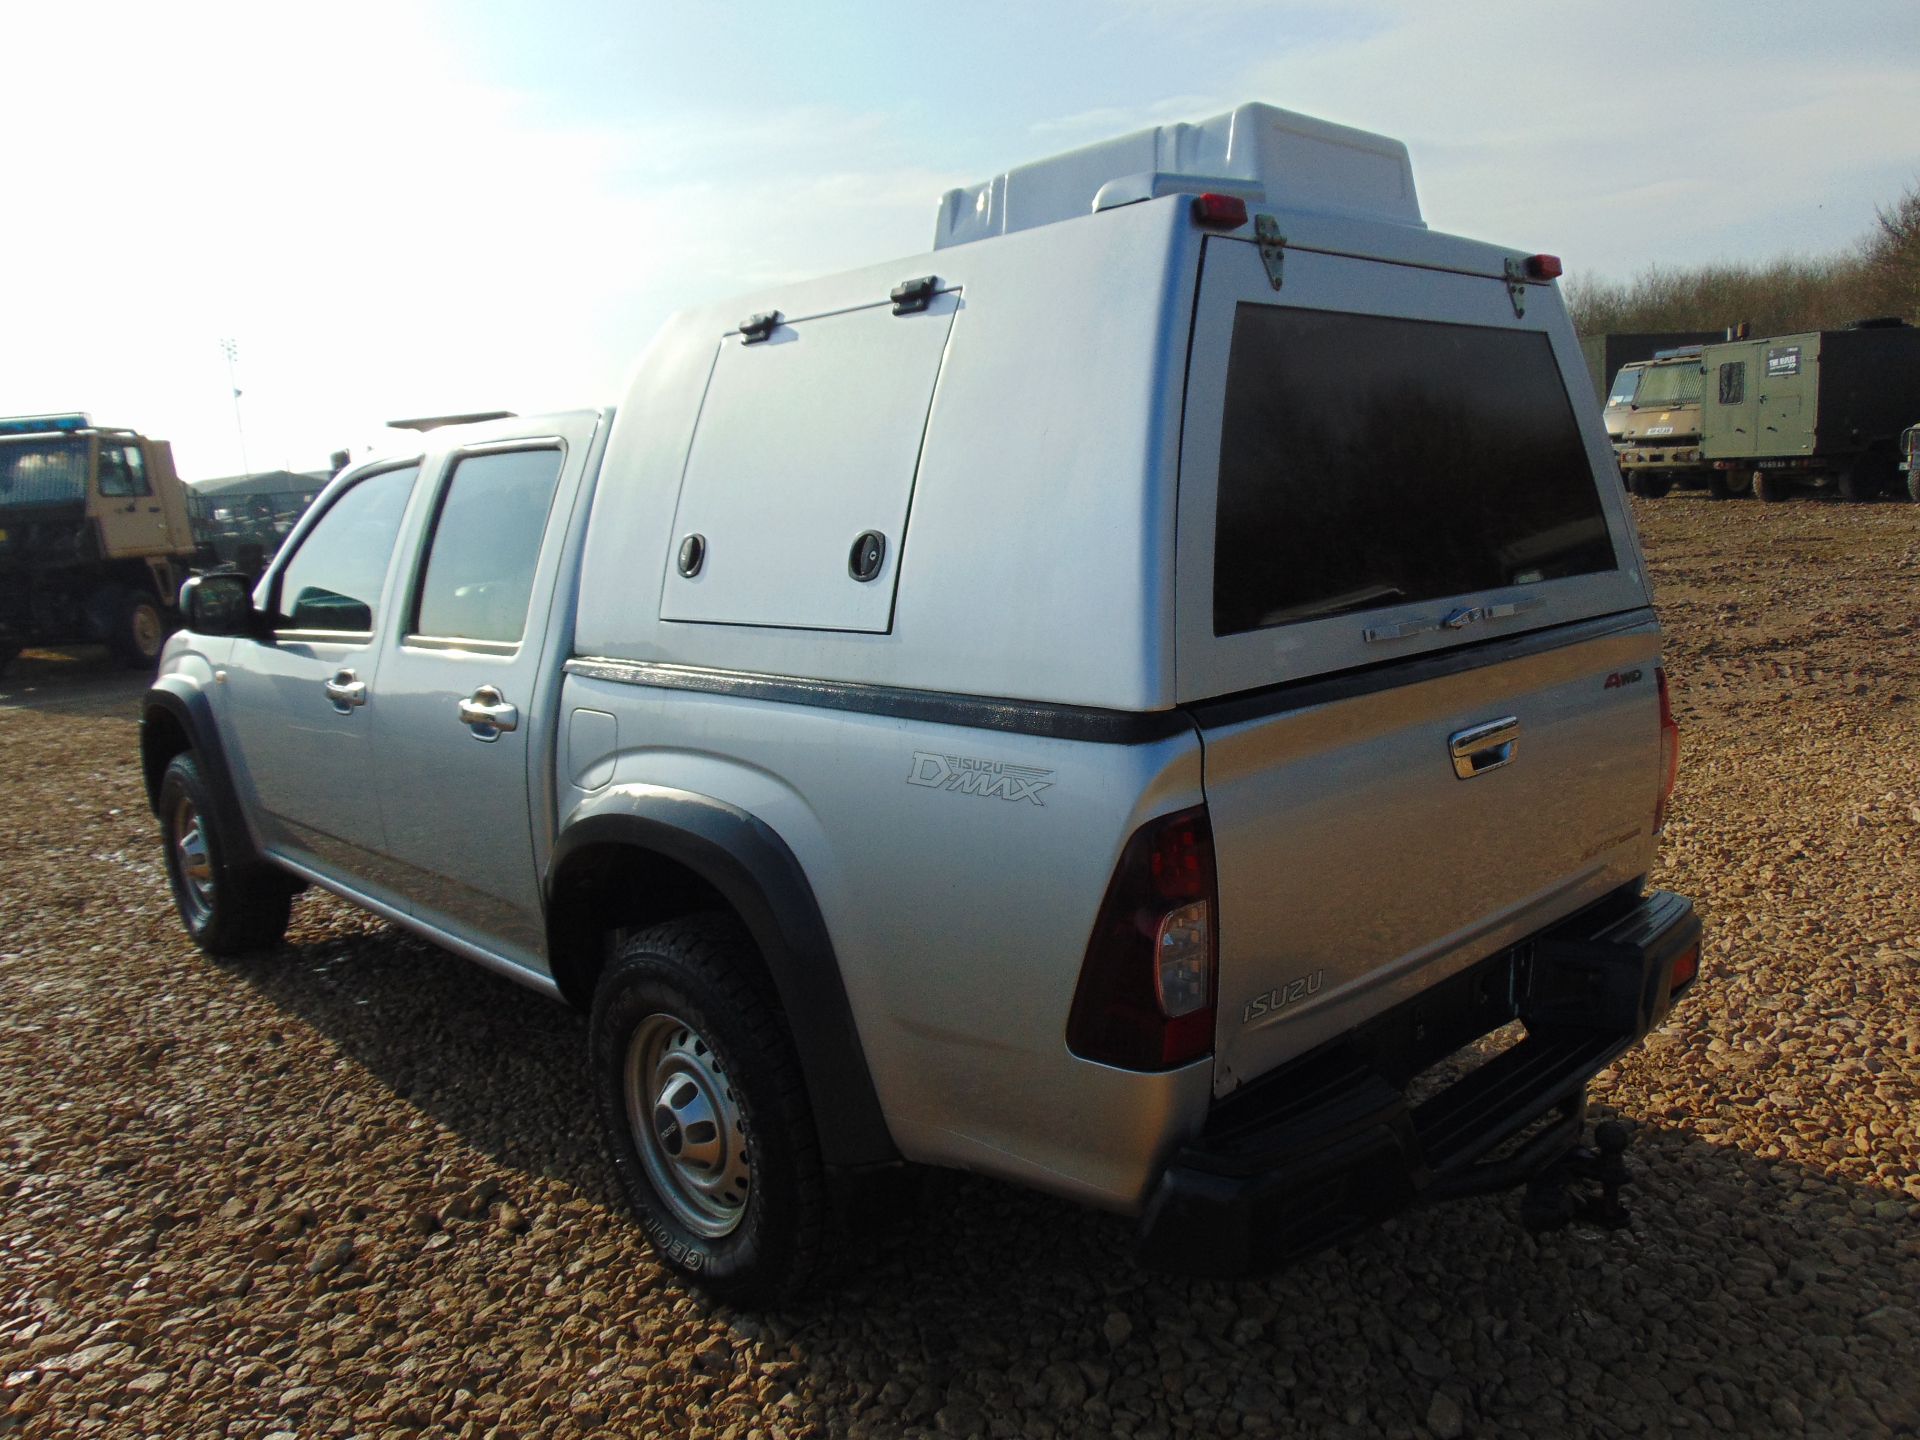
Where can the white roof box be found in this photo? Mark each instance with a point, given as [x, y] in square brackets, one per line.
[1263, 154]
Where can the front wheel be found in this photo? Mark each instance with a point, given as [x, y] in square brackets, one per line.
[1650, 486]
[228, 909]
[1913, 483]
[139, 630]
[704, 1113]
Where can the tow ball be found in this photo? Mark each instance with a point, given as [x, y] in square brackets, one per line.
[1552, 1202]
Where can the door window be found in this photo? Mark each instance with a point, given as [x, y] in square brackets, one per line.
[333, 581]
[478, 576]
[123, 472]
[1733, 382]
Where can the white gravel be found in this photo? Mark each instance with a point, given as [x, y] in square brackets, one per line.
[352, 1189]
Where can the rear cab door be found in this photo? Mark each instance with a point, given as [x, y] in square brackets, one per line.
[1412, 626]
[469, 679]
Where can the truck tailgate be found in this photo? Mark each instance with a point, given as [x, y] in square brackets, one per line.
[1356, 867]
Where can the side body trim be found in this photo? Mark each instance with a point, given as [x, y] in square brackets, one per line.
[981, 712]
[753, 869]
[532, 979]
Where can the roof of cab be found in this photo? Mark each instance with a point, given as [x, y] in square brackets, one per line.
[1265, 155]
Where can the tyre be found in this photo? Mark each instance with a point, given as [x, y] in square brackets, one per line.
[1729, 484]
[1650, 487]
[1772, 486]
[1913, 483]
[139, 629]
[1859, 482]
[704, 1113]
[228, 908]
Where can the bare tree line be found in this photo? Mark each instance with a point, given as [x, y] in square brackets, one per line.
[1878, 275]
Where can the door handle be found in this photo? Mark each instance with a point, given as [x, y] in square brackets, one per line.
[345, 690]
[1480, 748]
[487, 713]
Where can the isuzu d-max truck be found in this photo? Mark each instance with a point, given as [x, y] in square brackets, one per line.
[1111, 703]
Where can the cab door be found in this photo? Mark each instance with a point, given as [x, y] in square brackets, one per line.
[132, 520]
[297, 707]
[463, 735]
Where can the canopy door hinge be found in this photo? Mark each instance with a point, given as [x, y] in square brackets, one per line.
[910, 297]
[756, 328]
[1273, 246]
[1517, 287]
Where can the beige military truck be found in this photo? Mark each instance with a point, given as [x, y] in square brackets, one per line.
[94, 537]
[1658, 440]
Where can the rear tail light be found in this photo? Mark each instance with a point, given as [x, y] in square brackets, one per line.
[1685, 968]
[1669, 750]
[1146, 994]
[1219, 212]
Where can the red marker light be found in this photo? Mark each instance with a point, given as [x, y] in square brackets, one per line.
[1543, 267]
[1219, 212]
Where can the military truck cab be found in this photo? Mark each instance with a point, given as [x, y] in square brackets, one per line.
[94, 537]
[1658, 440]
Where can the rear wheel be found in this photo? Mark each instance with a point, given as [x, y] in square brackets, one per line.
[1772, 486]
[1650, 487]
[1859, 481]
[1729, 484]
[228, 909]
[704, 1113]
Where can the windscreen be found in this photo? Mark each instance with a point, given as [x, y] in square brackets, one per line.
[1667, 385]
[1367, 461]
[42, 472]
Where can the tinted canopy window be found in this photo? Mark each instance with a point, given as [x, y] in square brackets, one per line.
[486, 544]
[333, 580]
[1367, 462]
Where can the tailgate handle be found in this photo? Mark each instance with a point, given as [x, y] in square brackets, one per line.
[1480, 748]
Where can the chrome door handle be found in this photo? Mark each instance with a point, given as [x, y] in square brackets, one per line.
[1480, 748]
[487, 713]
[345, 690]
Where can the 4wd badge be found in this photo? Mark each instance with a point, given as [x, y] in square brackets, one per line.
[978, 777]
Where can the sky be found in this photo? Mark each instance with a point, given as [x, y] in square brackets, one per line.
[408, 207]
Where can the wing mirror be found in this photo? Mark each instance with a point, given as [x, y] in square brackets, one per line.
[219, 604]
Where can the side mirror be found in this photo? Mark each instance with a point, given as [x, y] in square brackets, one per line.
[219, 604]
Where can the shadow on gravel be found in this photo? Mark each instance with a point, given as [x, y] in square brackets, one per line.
[1750, 1297]
[84, 682]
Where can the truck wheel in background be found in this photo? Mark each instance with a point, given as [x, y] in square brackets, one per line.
[1729, 484]
[1772, 486]
[1859, 481]
[227, 910]
[704, 1113]
[138, 629]
[1913, 484]
[8, 654]
[1650, 487]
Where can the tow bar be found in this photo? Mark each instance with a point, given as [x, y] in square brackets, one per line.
[1551, 1202]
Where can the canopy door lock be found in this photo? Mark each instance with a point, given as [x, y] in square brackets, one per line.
[756, 328]
[1273, 246]
[910, 297]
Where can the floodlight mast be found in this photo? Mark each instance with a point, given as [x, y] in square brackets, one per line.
[231, 349]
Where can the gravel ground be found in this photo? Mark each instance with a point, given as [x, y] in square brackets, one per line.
[351, 1189]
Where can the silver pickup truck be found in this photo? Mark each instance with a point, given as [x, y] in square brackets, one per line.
[1111, 703]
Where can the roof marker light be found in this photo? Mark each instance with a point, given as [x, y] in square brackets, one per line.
[1543, 267]
[1219, 212]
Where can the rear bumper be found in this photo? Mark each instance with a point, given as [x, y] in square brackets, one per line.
[1331, 1144]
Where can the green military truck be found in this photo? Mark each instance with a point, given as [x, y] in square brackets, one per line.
[1821, 410]
[94, 537]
